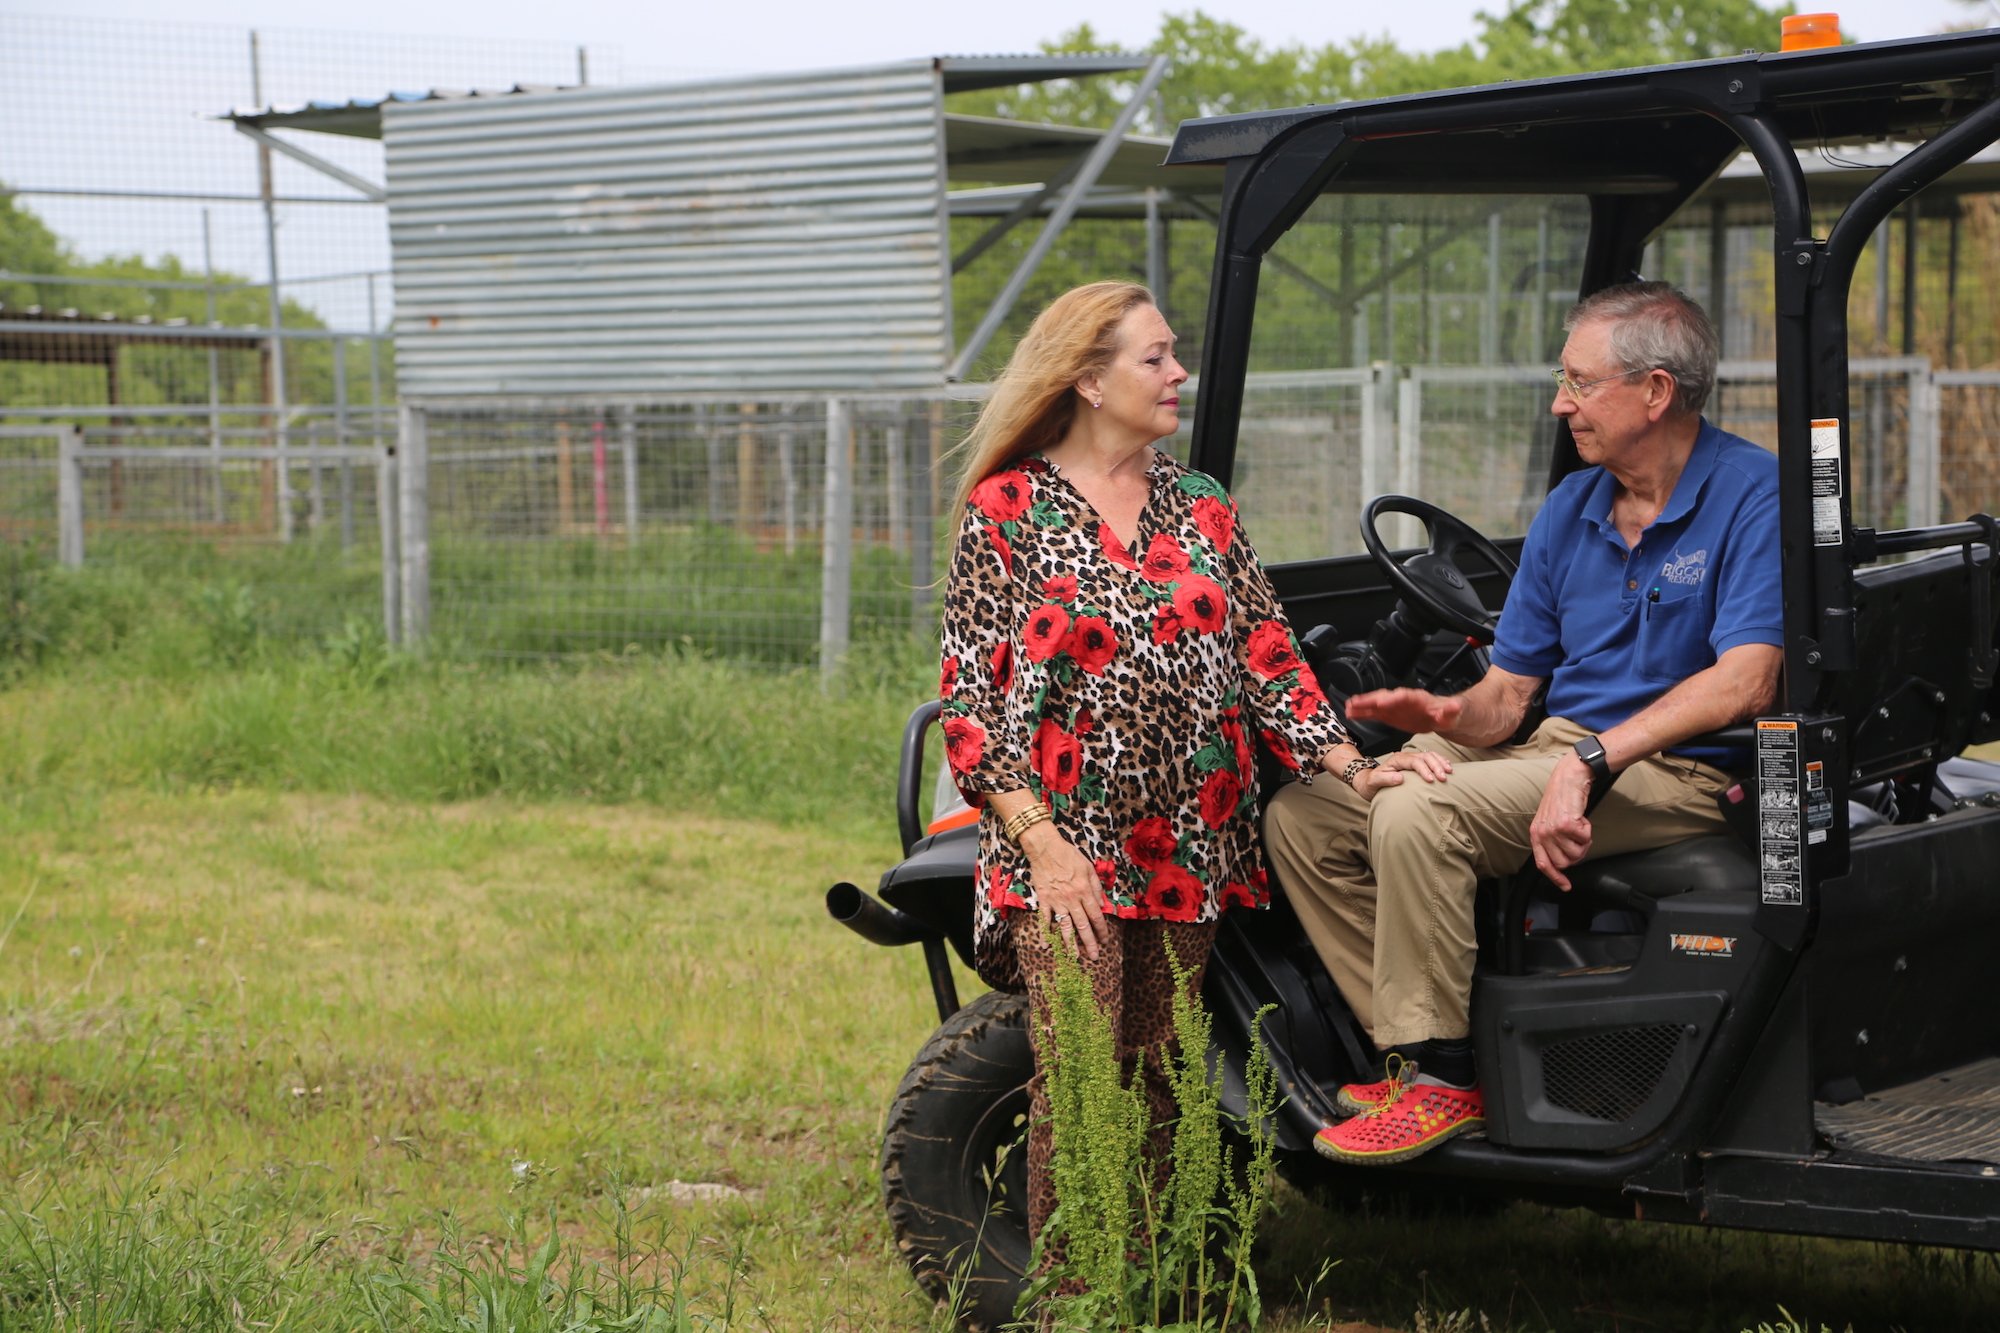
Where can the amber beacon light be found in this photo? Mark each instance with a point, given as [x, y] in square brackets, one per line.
[1803, 32]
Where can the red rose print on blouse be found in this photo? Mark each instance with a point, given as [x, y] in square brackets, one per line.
[1000, 889]
[1046, 631]
[1092, 644]
[1280, 749]
[1058, 758]
[1239, 744]
[1107, 873]
[1005, 551]
[1082, 723]
[1166, 625]
[1152, 844]
[1271, 652]
[1173, 895]
[1165, 560]
[1219, 797]
[1216, 521]
[1114, 550]
[1062, 589]
[1003, 666]
[947, 677]
[1305, 702]
[1236, 894]
[964, 743]
[1002, 497]
[1201, 604]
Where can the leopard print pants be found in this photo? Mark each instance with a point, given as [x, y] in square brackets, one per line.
[1133, 984]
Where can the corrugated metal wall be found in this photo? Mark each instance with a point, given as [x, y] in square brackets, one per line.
[776, 233]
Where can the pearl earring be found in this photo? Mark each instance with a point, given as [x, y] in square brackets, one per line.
[1097, 402]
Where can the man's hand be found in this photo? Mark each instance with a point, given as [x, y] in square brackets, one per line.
[1414, 711]
[1560, 831]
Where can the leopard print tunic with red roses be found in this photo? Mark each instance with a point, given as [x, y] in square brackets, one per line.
[1127, 688]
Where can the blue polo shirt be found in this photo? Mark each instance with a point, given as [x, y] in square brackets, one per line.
[1612, 629]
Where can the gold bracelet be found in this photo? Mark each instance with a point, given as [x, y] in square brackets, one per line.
[1024, 821]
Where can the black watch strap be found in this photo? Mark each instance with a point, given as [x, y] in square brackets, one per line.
[1591, 751]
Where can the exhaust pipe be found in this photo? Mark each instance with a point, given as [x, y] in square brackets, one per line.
[873, 921]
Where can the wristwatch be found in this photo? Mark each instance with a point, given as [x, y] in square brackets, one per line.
[1591, 751]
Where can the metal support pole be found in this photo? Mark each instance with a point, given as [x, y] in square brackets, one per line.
[1538, 323]
[413, 485]
[69, 497]
[1409, 450]
[1718, 267]
[1012, 218]
[923, 524]
[214, 368]
[788, 483]
[341, 441]
[1156, 249]
[628, 450]
[387, 506]
[1373, 447]
[1925, 501]
[1093, 166]
[315, 486]
[898, 494]
[836, 540]
[1489, 323]
[1910, 214]
[267, 192]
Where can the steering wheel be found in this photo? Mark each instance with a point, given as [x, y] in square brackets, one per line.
[1432, 581]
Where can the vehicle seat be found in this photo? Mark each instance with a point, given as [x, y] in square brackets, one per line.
[1631, 882]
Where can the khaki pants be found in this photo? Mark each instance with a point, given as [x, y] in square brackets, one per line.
[1385, 888]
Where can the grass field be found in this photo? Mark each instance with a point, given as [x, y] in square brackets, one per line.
[334, 987]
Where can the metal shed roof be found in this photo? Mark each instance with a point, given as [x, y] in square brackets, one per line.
[977, 148]
[361, 117]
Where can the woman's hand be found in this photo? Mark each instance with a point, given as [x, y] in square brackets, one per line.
[1067, 890]
[1389, 771]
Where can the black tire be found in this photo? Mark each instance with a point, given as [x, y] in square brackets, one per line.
[954, 1161]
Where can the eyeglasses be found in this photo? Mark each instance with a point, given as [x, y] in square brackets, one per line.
[1564, 384]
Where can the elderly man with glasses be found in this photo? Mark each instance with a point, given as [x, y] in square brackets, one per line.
[1648, 601]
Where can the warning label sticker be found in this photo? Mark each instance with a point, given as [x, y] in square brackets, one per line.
[1778, 808]
[1826, 481]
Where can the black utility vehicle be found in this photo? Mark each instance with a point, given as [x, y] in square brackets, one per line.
[1793, 1029]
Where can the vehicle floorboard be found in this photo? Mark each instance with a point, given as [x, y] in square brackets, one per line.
[1949, 1117]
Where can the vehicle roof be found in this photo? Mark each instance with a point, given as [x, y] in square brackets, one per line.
[1622, 131]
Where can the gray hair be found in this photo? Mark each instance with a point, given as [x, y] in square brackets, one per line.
[1655, 325]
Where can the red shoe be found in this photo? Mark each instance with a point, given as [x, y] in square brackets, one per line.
[1368, 1098]
[1422, 1116]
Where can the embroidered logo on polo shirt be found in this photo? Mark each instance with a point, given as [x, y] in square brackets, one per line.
[1685, 570]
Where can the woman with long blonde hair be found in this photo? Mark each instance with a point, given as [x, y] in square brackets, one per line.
[1113, 654]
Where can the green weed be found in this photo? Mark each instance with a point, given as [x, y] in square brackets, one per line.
[1122, 1250]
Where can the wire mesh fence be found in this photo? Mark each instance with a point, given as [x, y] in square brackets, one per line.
[570, 529]
[793, 530]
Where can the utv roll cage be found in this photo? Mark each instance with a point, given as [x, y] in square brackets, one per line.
[1888, 668]
[1788, 1030]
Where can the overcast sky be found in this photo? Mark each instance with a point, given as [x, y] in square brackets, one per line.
[725, 37]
